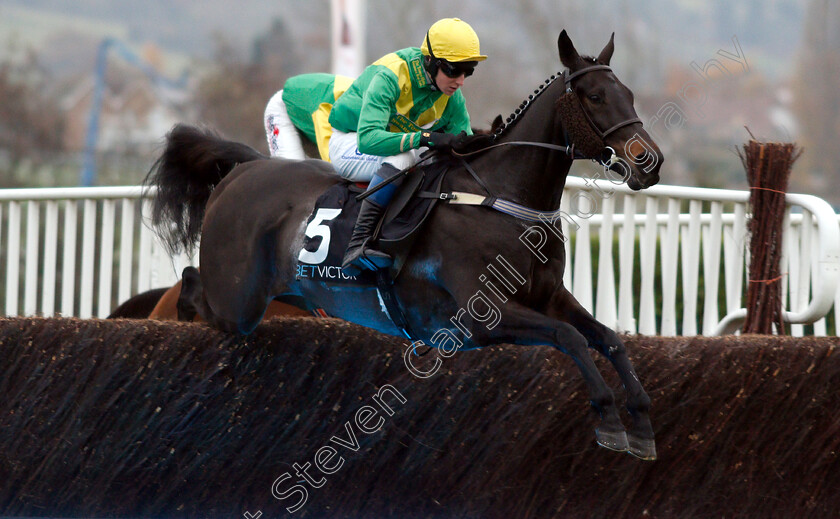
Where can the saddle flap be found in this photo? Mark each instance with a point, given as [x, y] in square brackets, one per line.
[412, 203]
[406, 191]
[408, 213]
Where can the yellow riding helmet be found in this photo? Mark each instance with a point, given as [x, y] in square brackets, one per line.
[452, 39]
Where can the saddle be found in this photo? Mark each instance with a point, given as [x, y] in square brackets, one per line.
[331, 223]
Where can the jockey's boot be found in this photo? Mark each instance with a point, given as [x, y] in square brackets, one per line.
[358, 255]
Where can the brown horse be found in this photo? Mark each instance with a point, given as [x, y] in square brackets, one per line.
[167, 308]
[162, 304]
[139, 306]
[251, 213]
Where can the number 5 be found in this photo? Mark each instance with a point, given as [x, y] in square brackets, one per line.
[315, 229]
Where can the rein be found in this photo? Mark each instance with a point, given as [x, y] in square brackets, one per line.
[607, 159]
[517, 210]
[568, 150]
[505, 206]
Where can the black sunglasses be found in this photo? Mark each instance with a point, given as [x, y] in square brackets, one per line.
[454, 70]
[451, 70]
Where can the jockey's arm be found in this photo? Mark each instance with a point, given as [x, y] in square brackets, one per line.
[382, 94]
[374, 118]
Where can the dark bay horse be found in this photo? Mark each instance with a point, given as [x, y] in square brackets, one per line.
[254, 213]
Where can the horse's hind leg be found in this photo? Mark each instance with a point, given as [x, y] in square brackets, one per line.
[601, 338]
[190, 298]
[193, 300]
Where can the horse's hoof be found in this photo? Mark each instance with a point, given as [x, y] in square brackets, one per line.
[644, 449]
[615, 441]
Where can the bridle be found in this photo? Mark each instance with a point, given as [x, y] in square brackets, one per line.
[567, 79]
[607, 159]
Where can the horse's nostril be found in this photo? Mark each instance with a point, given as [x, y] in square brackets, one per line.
[645, 160]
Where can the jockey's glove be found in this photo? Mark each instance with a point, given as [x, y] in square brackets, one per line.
[446, 142]
[437, 141]
[466, 143]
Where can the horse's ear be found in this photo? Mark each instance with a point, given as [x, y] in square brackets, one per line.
[606, 54]
[568, 54]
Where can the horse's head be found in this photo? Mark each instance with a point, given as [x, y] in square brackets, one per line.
[598, 115]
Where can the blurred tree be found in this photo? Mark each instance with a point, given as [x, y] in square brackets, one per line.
[816, 101]
[30, 120]
[275, 50]
[232, 96]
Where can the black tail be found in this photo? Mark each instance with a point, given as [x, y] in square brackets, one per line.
[194, 161]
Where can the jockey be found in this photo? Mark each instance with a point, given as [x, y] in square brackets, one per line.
[303, 104]
[406, 100]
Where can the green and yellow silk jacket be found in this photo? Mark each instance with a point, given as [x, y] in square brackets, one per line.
[391, 101]
[308, 99]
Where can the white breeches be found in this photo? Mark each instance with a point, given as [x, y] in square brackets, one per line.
[359, 167]
[283, 137]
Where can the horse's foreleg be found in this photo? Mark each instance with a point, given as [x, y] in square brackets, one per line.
[520, 325]
[601, 338]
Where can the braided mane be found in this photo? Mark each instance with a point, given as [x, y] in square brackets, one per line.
[513, 117]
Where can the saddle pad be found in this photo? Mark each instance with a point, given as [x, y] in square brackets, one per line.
[326, 235]
[331, 223]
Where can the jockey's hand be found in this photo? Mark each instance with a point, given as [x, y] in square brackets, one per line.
[446, 142]
[466, 143]
[441, 142]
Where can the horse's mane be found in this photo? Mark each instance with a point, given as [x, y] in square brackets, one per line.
[524, 105]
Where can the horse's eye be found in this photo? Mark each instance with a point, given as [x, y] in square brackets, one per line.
[595, 98]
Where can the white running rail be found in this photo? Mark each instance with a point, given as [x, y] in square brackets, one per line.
[658, 247]
[81, 251]
[77, 251]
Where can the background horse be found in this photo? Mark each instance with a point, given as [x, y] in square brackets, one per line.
[162, 304]
[254, 212]
[166, 308]
[139, 306]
